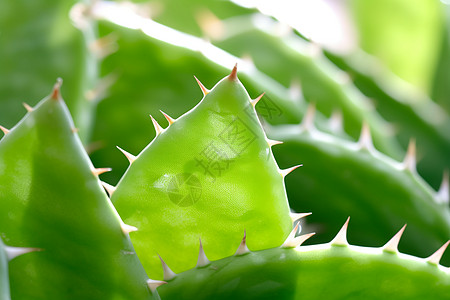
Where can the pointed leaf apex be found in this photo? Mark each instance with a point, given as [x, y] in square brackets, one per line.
[168, 273]
[409, 163]
[154, 284]
[308, 119]
[13, 252]
[202, 259]
[242, 249]
[233, 74]
[341, 237]
[99, 171]
[392, 244]
[109, 188]
[131, 158]
[158, 128]
[5, 130]
[297, 241]
[27, 107]
[436, 256]
[56, 93]
[285, 172]
[126, 229]
[256, 100]
[168, 118]
[365, 139]
[205, 91]
[273, 142]
[298, 216]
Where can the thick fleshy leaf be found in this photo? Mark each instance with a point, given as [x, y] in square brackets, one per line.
[342, 178]
[312, 273]
[412, 113]
[51, 199]
[209, 175]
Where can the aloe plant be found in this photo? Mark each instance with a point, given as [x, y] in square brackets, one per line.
[51, 199]
[70, 259]
[202, 210]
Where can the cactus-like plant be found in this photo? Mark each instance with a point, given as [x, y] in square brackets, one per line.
[51, 199]
[203, 208]
[91, 248]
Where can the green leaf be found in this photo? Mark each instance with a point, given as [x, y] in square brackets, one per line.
[412, 114]
[209, 175]
[342, 178]
[311, 273]
[51, 199]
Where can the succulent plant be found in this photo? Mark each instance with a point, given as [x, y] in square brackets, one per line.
[203, 211]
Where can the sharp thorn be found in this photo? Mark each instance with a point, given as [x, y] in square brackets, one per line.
[211, 26]
[109, 188]
[13, 252]
[131, 158]
[56, 93]
[298, 216]
[242, 249]
[104, 46]
[443, 195]
[285, 172]
[127, 228]
[27, 107]
[100, 90]
[168, 273]
[297, 241]
[295, 90]
[5, 130]
[308, 119]
[392, 244]
[273, 142]
[436, 256]
[158, 128]
[256, 100]
[205, 91]
[341, 237]
[99, 171]
[287, 243]
[335, 122]
[365, 139]
[202, 259]
[154, 284]
[233, 74]
[168, 118]
[409, 163]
